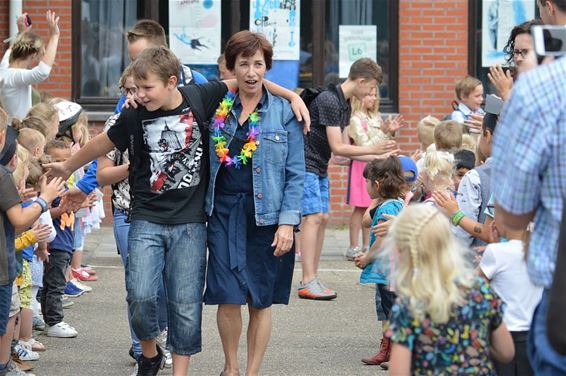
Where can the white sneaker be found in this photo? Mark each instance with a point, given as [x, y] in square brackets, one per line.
[351, 253]
[25, 354]
[82, 286]
[135, 373]
[61, 330]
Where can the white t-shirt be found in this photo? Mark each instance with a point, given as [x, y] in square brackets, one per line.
[504, 265]
[15, 86]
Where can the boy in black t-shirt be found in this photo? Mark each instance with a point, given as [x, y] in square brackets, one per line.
[330, 114]
[168, 177]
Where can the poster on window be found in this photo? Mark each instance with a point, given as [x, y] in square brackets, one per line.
[280, 22]
[194, 30]
[354, 42]
[498, 19]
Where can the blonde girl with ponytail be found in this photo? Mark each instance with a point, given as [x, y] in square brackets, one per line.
[27, 62]
[446, 320]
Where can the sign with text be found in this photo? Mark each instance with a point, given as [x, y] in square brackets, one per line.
[355, 42]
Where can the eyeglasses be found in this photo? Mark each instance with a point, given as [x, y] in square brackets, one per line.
[523, 52]
[125, 91]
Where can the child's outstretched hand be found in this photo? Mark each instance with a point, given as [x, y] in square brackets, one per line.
[42, 253]
[393, 124]
[41, 232]
[53, 189]
[362, 259]
[475, 123]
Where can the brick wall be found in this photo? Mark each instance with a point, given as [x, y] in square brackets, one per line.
[433, 54]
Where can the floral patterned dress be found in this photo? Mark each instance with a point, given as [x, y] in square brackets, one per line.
[460, 346]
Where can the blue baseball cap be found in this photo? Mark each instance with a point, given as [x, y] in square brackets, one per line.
[409, 168]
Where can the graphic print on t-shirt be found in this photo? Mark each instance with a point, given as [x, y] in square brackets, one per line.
[175, 148]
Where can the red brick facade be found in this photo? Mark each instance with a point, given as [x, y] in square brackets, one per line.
[433, 54]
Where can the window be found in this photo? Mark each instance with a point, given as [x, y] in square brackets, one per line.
[101, 56]
[363, 12]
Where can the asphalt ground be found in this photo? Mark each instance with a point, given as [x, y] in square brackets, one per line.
[308, 338]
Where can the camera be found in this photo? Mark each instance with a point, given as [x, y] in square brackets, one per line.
[549, 40]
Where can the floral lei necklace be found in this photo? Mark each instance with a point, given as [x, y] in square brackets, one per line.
[220, 141]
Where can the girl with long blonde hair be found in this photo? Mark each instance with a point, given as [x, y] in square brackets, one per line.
[446, 319]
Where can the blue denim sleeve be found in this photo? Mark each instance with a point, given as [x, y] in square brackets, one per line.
[120, 104]
[88, 183]
[198, 78]
[290, 213]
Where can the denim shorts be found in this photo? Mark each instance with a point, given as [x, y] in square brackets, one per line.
[175, 254]
[316, 196]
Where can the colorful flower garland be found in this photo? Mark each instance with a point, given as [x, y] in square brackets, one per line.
[220, 141]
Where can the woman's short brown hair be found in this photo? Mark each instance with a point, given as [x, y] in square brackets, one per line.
[247, 44]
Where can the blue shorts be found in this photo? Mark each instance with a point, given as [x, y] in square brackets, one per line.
[316, 197]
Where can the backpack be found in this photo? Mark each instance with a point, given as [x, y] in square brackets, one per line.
[308, 95]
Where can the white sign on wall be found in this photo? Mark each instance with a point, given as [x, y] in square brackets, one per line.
[195, 30]
[355, 42]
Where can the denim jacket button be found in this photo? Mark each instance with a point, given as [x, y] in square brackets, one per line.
[261, 221]
[277, 137]
[258, 170]
[260, 196]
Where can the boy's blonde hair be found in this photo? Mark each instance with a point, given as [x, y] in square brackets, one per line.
[439, 168]
[36, 170]
[469, 142]
[160, 61]
[465, 86]
[425, 130]
[448, 135]
[25, 45]
[149, 30]
[30, 139]
[433, 272]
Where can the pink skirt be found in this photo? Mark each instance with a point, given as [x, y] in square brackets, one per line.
[357, 187]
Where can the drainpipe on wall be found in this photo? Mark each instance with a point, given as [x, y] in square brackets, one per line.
[15, 10]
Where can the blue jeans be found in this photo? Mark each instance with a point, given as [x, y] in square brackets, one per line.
[174, 255]
[544, 360]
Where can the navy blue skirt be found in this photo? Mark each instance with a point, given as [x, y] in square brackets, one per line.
[241, 266]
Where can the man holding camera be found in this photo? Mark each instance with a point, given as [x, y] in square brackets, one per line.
[530, 162]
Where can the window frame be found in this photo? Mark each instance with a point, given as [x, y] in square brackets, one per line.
[151, 9]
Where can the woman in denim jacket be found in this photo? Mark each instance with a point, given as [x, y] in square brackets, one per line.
[253, 202]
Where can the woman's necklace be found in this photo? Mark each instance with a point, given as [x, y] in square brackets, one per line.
[249, 147]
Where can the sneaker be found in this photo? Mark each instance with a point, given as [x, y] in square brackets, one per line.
[32, 345]
[162, 341]
[38, 323]
[61, 330]
[72, 291]
[316, 291]
[25, 354]
[67, 303]
[150, 367]
[81, 286]
[12, 369]
[351, 253]
[20, 364]
[83, 275]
